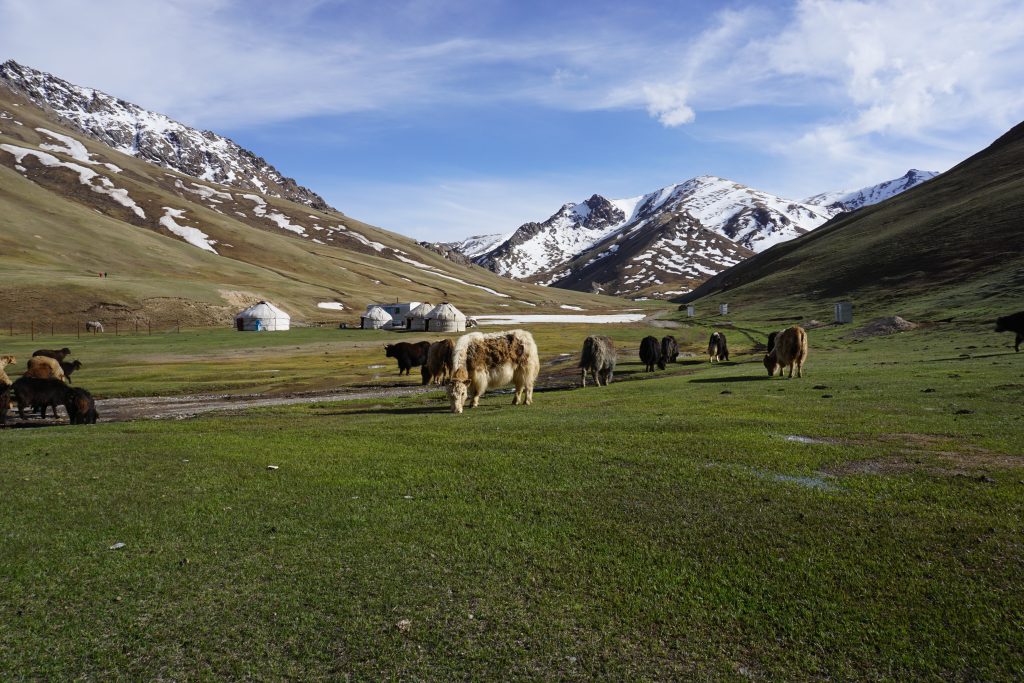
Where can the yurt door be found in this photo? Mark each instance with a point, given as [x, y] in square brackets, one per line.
[240, 324]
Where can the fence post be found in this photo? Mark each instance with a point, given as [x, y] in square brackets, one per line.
[32, 329]
[177, 325]
[149, 327]
[78, 329]
[115, 328]
[51, 328]
[136, 327]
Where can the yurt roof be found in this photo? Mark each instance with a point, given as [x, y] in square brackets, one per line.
[377, 313]
[420, 311]
[445, 311]
[263, 310]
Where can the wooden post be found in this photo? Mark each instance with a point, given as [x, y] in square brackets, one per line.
[136, 327]
[149, 327]
[51, 328]
[32, 329]
[115, 328]
[177, 325]
[78, 328]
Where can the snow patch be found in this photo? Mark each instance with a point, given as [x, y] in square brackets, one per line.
[193, 236]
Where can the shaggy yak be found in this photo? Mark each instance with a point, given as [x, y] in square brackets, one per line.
[4, 362]
[5, 401]
[38, 393]
[46, 368]
[598, 357]
[81, 407]
[718, 349]
[57, 354]
[438, 367]
[650, 354]
[408, 355]
[789, 350]
[483, 360]
[1012, 323]
[669, 350]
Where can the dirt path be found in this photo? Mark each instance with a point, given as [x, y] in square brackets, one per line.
[559, 374]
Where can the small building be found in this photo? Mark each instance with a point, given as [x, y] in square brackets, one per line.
[844, 312]
[416, 318]
[375, 318]
[397, 311]
[262, 317]
[723, 309]
[691, 311]
[446, 318]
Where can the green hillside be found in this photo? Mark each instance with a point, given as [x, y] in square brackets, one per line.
[951, 247]
[59, 229]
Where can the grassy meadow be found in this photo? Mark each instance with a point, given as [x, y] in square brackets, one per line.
[864, 522]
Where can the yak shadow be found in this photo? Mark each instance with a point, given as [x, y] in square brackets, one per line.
[734, 378]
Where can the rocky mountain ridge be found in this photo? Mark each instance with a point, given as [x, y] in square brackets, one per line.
[714, 222]
[137, 132]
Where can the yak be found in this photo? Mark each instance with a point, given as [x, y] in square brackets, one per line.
[650, 354]
[483, 360]
[598, 357]
[408, 355]
[669, 350]
[718, 348]
[1012, 323]
[789, 350]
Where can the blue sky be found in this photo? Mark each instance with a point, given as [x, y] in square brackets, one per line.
[443, 119]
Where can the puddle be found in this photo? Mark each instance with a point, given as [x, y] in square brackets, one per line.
[796, 438]
[810, 482]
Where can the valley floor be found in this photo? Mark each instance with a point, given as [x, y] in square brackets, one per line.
[863, 522]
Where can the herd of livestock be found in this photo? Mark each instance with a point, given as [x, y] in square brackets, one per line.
[46, 384]
[476, 361]
[468, 366]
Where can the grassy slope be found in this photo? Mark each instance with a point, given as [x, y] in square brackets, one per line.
[659, 529]
[55, 235]
[945, 248]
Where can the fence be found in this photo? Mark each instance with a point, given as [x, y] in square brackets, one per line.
[48, 328]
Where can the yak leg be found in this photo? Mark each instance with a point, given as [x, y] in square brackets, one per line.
[584, 378]
[1020, 338]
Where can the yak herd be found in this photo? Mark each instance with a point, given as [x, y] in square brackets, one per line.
[475, 361]
[45, 384]
[467, 366]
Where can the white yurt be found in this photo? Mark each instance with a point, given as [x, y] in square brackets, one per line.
[445, 318]
[375, 318]
[262, 317]
[416, 319]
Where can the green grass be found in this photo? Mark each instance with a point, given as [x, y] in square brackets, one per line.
[647, 530]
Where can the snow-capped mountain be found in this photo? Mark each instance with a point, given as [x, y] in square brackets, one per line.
[478, 245]
[748, 220]
[677, 236]
[850, 200]
[154, 137]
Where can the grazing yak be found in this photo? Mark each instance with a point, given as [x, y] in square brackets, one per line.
[81, 407]
[669, 350]
[483, 360]
[4, 362]
[45, 367]
[408, 355]
[597, 357]
[788, 350]
[771, 341]
[36, 393]
[1012, 323]
[5, 401]
[56, 354]
[650, 354]
[718, 349]
[438, 367]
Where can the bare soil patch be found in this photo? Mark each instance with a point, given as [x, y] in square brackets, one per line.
[880, 327]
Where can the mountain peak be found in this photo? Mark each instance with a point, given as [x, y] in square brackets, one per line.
[135, 131]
